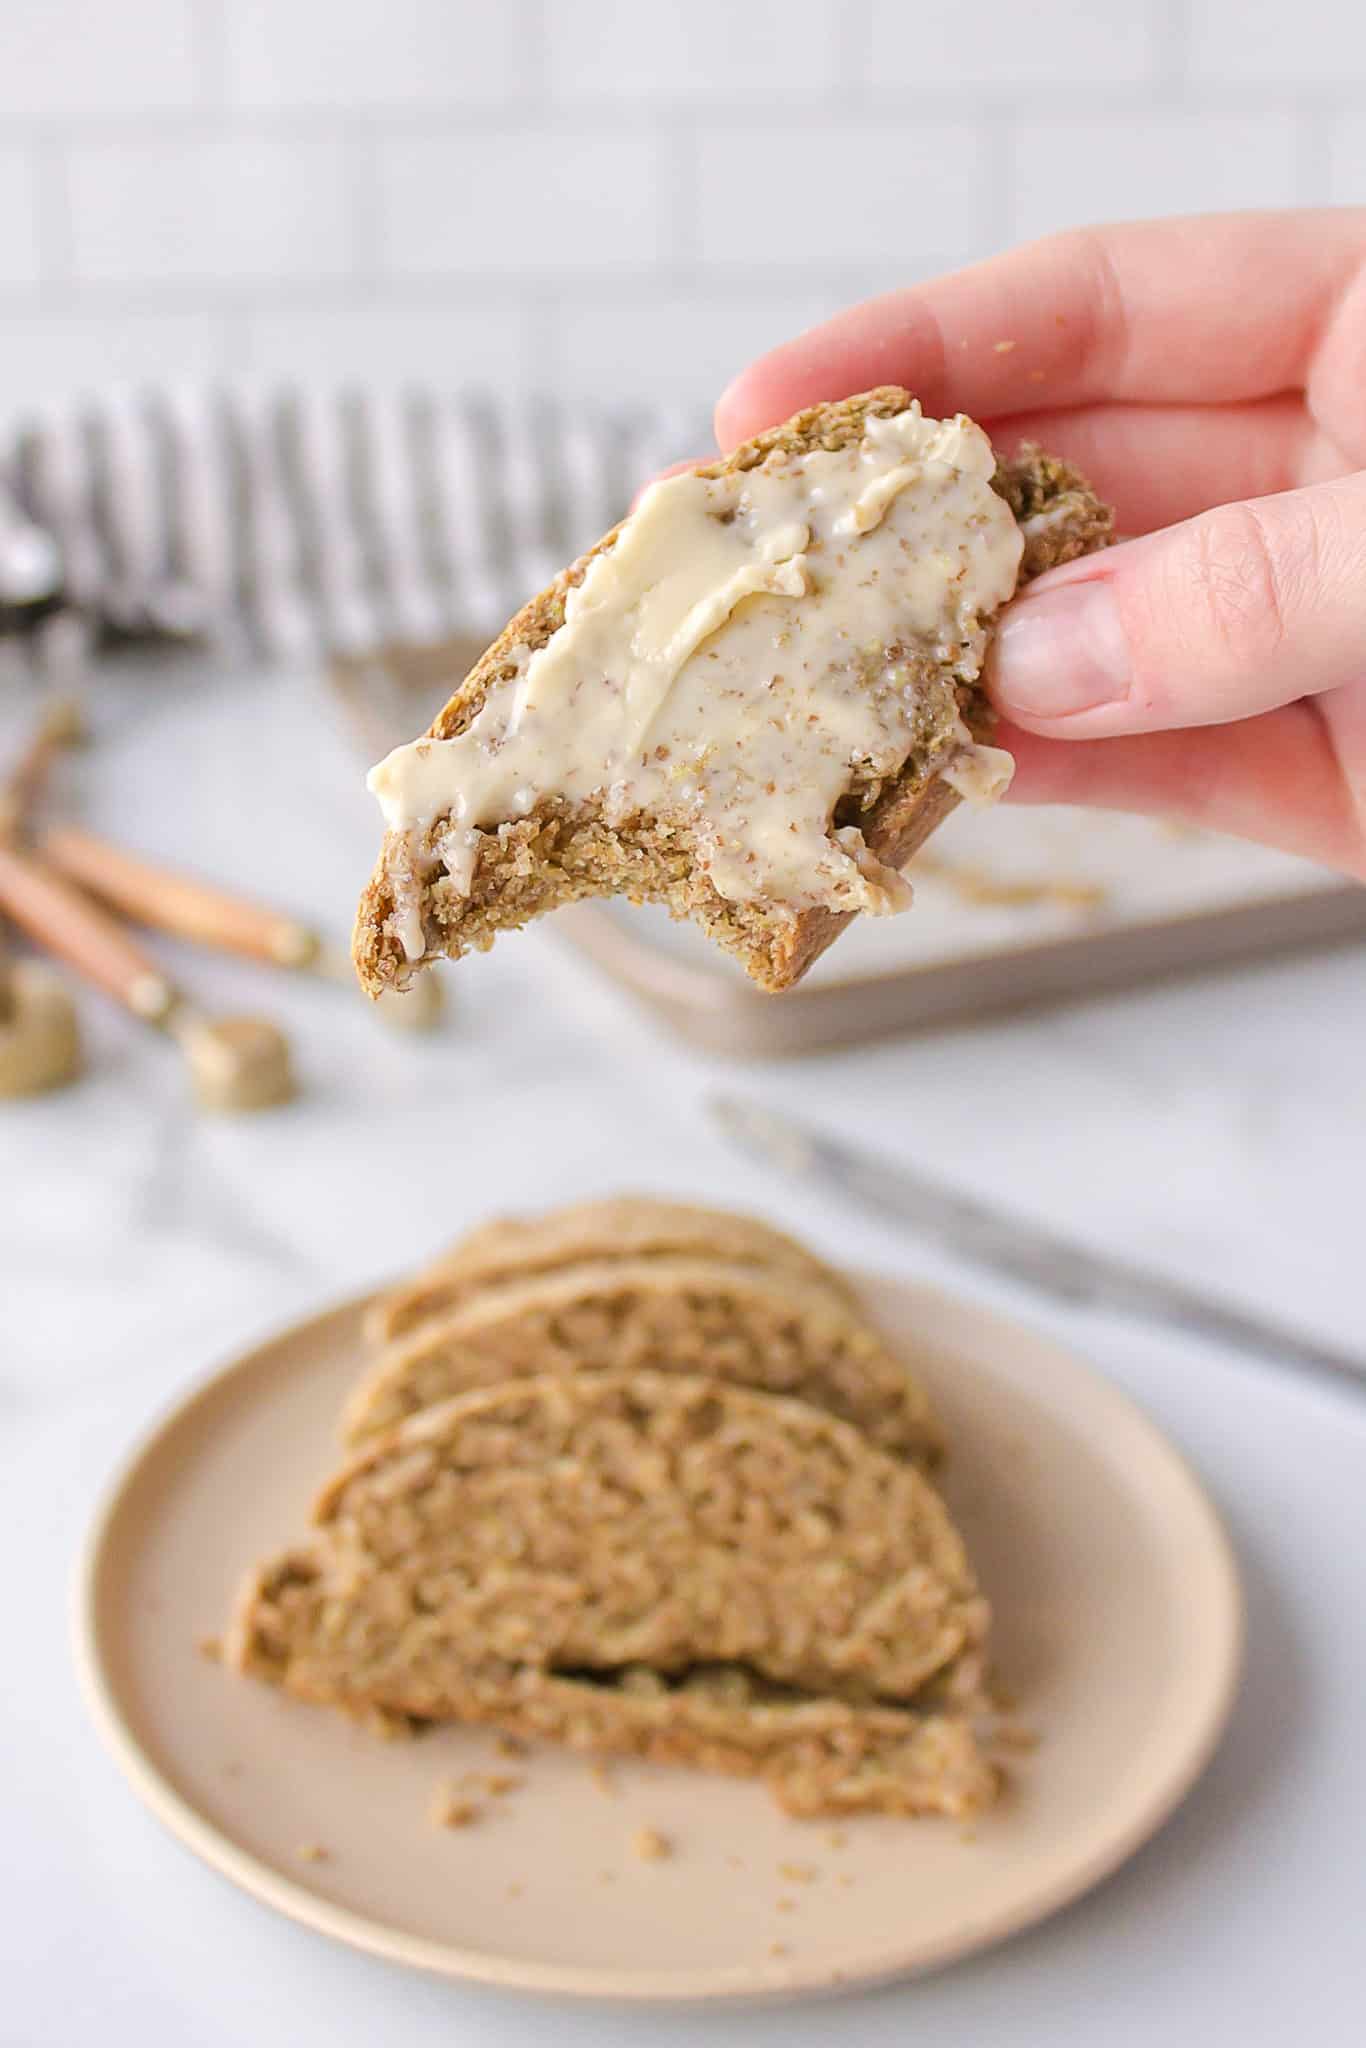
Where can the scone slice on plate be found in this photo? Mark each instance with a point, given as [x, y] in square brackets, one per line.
[650, 1565]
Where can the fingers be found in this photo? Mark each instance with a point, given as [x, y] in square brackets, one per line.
[1212, 309]
[1246, 608]
[1159, 464]
[1275, 779]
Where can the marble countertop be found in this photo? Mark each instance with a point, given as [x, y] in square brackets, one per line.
[1211, 1128]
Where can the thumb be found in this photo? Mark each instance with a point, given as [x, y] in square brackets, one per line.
[1244, 608]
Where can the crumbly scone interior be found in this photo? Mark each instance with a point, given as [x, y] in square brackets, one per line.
[651, 1564]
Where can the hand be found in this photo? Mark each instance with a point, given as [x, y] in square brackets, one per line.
[1209, 378]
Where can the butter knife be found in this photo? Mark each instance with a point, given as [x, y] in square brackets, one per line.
[971, 1230]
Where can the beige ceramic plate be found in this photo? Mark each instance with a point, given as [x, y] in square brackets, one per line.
[1118, 1628]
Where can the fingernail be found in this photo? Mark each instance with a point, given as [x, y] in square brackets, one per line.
[1059, 653]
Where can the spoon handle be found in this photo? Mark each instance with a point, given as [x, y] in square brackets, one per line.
[63, 922]
[177, 903]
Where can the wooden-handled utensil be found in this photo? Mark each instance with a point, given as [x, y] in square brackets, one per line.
[60, 724]
[176, 903]
[40, 1038]
[235, 1063]
[210, 916]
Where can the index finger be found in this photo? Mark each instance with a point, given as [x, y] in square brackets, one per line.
[1211, 309]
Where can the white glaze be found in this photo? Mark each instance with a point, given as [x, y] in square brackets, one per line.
[726, 661]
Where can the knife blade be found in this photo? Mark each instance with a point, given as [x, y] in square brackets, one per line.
[971, 1229]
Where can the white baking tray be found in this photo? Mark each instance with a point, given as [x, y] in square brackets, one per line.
[1014, 906]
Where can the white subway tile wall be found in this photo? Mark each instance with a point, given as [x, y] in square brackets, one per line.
[19, 264]
[619, 340]
[704, 52]
[368, 54]
[610, 197]
[195, 211]
[886, 195]
[1312, 43]
[401, 338]
[1347, 162]
[518, 201]
[1046, 46]
[1121, 165]
[75, 60]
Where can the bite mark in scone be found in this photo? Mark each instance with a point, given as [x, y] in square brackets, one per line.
[750, 702]
[649, 1565]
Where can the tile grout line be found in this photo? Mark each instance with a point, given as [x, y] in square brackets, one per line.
[680, 210]
[364, 210]
[1314, 139]
[209, 51]
[853, 44]
[529, 15]
[995, 198]
[55, 227]
[451, 120]
[1172, 22]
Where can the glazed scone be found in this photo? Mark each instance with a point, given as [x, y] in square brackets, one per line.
[652, 1565]
[751, 702]
[618, 1227]
[777, 1330]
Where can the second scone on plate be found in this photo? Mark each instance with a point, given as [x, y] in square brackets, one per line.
[776, 1330]
[611, 1227]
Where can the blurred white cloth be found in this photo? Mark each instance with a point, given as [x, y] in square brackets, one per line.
[325, 520]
